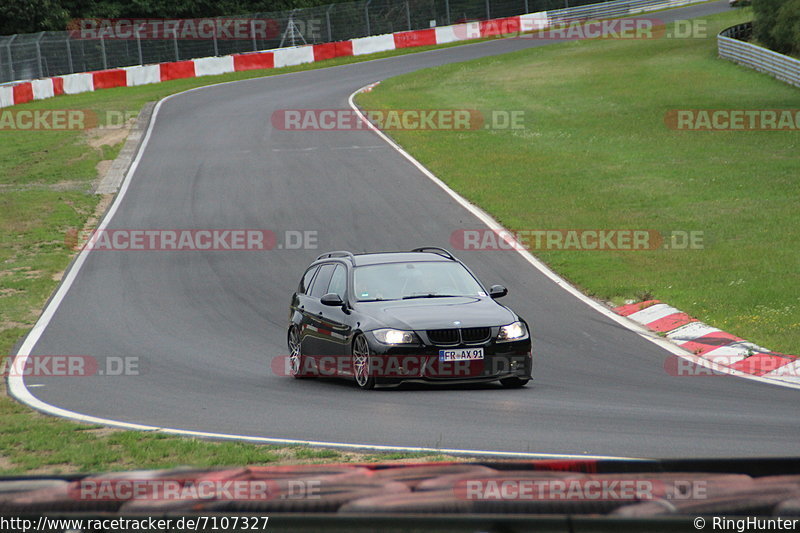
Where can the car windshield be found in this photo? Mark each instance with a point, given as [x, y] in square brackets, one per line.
[419, 279]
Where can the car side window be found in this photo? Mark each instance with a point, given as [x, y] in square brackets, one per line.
[338, 283]
[321, 281]
[305, 283]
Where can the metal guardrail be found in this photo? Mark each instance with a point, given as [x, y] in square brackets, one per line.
[731, 46]
[47, 54]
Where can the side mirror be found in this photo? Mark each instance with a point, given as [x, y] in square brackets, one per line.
[497, 291]
[332, 299]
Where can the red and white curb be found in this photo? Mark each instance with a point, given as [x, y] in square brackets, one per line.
[723, 350]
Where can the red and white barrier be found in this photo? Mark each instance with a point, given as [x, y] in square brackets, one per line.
[282, 57]
[78, 83]
[330, 50]
[108, 79]
[211, 66]
[533, 21]
[6, 96]
[374, 44]
[177, 70]
[42, 89]
[253, 61]
[458, 32]
[407, 39]
[287, 57]
[142, 75]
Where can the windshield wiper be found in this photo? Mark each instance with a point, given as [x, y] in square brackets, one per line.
[431, 295]
[379, 300]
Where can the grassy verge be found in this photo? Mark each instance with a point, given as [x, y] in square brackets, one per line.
[46, 179]
[38, 444]
[596, 153]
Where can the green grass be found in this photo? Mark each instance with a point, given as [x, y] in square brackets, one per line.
[33, 443]
[595, 153]
[39, 444]
[46, 179]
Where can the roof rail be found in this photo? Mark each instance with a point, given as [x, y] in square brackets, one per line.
[436, 250]
[339, 253]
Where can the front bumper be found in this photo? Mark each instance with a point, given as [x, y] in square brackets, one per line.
[415, 363]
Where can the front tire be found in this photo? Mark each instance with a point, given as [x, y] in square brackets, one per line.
[362, 364]
[296, 358]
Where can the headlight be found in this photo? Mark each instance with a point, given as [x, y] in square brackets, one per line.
[395, 336]
[512, 332]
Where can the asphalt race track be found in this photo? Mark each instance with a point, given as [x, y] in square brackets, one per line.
[207, 324]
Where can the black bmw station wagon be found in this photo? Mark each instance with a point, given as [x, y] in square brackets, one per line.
[393, 317]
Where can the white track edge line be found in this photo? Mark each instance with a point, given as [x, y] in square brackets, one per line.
[493, 224]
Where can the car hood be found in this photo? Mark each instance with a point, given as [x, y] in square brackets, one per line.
[441, 313]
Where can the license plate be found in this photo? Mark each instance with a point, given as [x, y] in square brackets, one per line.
[461, 354]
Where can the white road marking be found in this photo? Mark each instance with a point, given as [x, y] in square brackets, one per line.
[691, 331]
[383, 147]
[653, 313]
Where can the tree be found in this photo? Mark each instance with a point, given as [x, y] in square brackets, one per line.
[777, 24]
[31, 16]
[786, 32]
